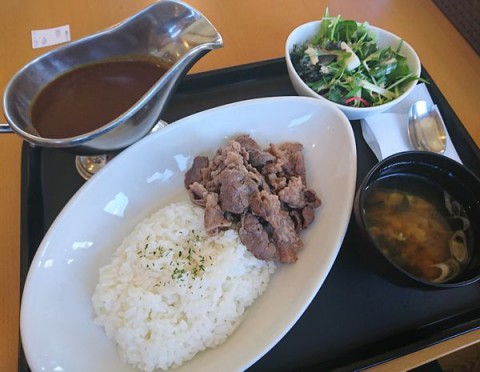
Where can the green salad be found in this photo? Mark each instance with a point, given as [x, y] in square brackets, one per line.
[343, 64]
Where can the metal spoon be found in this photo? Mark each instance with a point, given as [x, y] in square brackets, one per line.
[425, 128]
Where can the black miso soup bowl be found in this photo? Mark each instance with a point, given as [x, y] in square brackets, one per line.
[440, 172]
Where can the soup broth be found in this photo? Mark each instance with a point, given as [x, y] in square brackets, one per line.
[88, 97]
[419, 227]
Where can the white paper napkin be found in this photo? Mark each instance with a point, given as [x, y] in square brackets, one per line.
[386, 133]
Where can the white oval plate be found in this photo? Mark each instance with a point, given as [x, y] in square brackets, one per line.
[57, 328]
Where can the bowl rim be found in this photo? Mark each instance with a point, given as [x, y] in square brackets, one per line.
[364, 110]
[359, 215]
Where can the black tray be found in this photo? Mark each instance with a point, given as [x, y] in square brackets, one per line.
[357, 319]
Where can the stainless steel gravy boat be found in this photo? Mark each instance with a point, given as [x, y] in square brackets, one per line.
[169, 30]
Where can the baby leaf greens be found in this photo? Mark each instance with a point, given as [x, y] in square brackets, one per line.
[343, 63]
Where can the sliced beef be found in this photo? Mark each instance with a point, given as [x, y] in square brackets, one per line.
[197, 171]
[285, 237]
[290, 156]
[256, 238]
[257, 156]
[277, 183]
[231, 155]
[296, 216]
[285, 253]
[198, 194]
[265, 205]
[258, 178]
[273, 168]
[293, 193]
[261, 193]
[214, 218]
[302, 218]
[236, 186]
[308, 215]
[312, 199]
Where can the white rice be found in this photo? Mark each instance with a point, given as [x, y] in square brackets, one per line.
[172, 291]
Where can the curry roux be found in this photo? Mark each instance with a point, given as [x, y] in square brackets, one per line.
[90, 96]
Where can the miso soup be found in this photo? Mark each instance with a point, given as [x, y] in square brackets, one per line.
[418, 226]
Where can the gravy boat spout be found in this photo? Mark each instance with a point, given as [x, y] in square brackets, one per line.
[170, 32]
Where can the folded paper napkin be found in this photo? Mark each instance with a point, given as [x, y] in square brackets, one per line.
[386, 133]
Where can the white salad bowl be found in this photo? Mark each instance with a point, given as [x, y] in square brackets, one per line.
[306, 31]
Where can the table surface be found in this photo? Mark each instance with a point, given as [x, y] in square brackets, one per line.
[253, 30]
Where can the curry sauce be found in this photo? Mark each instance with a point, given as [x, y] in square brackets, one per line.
[86, 98]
